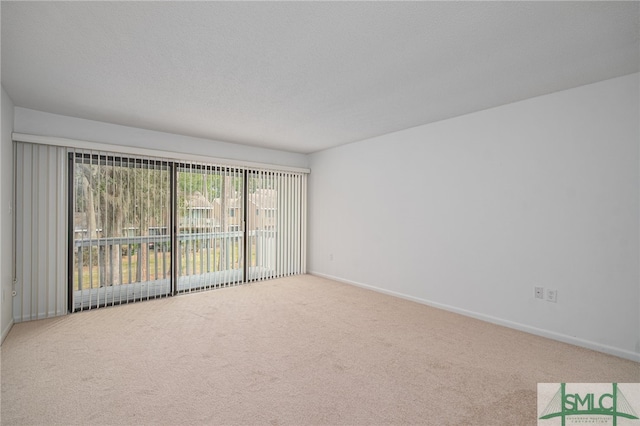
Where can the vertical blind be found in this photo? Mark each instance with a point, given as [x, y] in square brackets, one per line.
[120, 218]
[40, 232]
[276, 224]
[211, 235]
[109, 228]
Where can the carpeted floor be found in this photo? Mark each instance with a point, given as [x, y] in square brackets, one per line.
[299, 351]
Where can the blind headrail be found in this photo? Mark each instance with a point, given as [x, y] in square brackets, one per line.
[168, 155]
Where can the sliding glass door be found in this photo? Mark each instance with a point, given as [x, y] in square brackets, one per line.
[120, 221]
[211, 226]
[143, 228]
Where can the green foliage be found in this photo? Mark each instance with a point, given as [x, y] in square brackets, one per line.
[124, 195]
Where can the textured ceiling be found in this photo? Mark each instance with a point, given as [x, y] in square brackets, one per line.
[304, 76]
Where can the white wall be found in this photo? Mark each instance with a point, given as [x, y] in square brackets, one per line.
[6, 221]
[471, 213]
[45, 124]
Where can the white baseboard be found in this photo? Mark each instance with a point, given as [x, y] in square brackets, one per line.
[6, 331]
[622, 353]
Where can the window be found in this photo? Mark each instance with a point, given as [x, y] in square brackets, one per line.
[211, 252]
[123, 210]
[122, 206]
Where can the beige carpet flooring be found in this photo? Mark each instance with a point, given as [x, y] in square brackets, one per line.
[296, 351]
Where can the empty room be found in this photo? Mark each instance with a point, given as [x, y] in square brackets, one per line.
[320, 213]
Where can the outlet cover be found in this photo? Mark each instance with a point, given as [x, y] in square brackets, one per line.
[552, 295]
[539, 292]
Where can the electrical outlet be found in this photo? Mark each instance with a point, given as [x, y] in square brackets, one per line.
[552, 295]
[539, 292]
